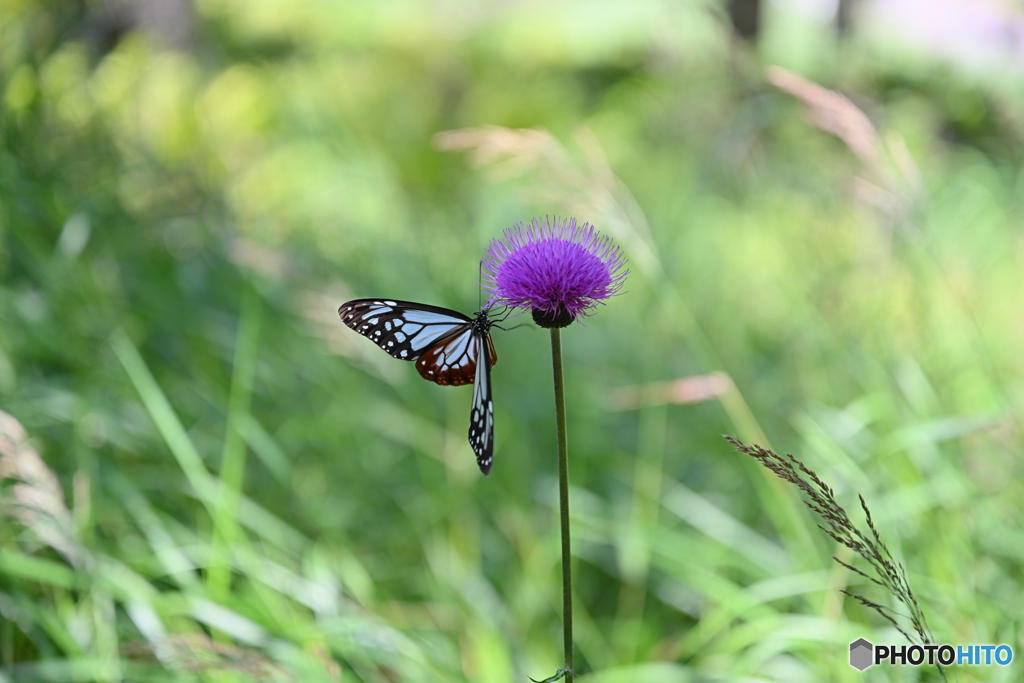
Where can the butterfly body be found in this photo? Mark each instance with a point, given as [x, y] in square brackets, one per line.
[447, 347]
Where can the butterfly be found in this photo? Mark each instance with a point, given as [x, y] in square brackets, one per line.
[447, 347]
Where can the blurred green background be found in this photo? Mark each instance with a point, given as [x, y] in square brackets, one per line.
[188, 191]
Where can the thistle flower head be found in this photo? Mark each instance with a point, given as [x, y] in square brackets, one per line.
[560, 271]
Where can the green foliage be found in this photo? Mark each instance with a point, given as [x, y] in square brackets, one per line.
[210, 478]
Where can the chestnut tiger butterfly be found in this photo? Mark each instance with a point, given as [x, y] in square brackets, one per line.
[446, 346]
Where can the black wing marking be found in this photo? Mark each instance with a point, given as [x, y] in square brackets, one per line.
[402, 328]
[481, 415]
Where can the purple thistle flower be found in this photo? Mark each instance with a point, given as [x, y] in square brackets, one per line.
[559, 271]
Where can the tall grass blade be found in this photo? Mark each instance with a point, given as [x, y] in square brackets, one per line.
[232, 469]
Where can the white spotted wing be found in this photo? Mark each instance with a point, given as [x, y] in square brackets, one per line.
[481, 416]
[445, 345]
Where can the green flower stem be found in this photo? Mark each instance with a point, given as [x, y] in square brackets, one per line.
[563, 498]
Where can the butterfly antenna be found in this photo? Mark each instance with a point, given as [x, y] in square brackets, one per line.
[480, 285]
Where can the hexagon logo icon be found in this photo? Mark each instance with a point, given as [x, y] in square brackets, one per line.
[861, 652]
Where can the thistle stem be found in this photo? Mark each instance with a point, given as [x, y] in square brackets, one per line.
[563, 498]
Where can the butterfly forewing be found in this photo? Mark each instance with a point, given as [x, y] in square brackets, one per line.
[402, 328]
[481, 416]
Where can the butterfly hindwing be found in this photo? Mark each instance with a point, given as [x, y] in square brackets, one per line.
[453, 361]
